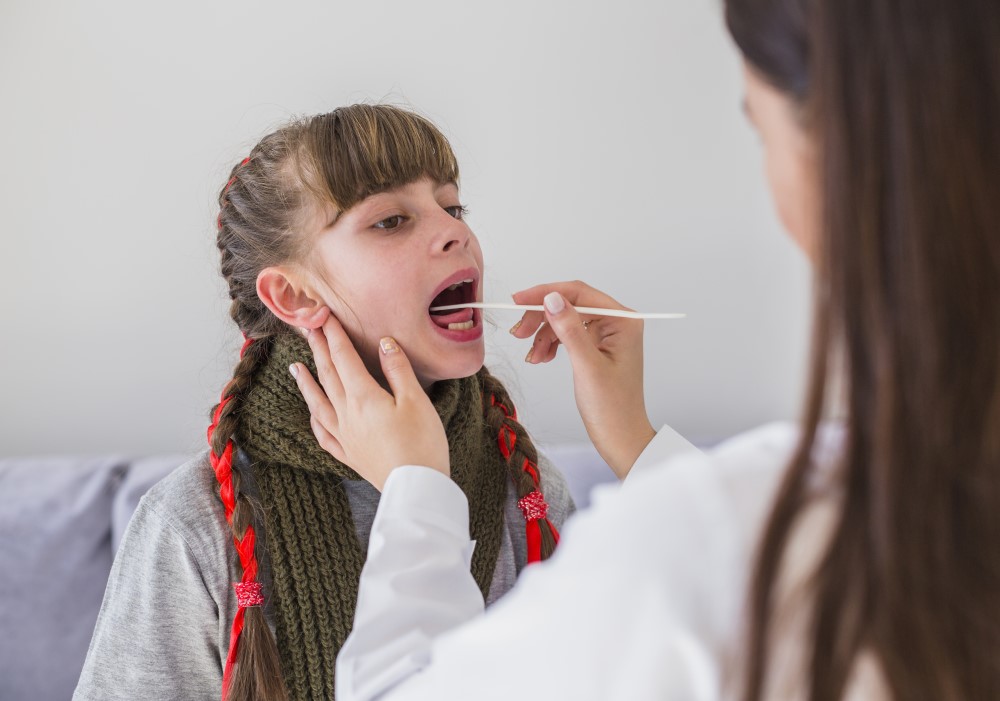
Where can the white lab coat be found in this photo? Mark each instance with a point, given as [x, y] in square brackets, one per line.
[643, 599]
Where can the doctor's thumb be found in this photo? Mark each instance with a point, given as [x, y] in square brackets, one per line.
[565, 321]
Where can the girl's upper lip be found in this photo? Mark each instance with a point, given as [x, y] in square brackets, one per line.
[457, 276]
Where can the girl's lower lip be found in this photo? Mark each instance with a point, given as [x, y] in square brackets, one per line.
[462, 335]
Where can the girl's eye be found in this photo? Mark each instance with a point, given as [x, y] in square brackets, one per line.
[457, 211]
[390, 222]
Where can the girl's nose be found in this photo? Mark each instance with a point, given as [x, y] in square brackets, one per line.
[452, 234]
[453, 243]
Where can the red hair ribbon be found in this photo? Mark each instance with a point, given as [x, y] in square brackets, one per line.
[229, 184]
[248, 591]
[533, 504]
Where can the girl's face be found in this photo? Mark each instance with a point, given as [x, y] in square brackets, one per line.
[384, 262]
[790, 159]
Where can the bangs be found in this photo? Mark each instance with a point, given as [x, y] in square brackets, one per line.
[358, 151]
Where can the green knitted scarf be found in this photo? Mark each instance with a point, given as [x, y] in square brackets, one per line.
[313, 557]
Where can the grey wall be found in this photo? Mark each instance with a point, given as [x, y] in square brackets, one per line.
[600, 141]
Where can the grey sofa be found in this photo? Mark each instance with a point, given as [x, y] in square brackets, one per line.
[61, 520]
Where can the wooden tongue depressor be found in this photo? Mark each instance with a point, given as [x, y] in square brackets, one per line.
[537, 308]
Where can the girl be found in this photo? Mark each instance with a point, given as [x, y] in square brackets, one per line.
[357, 213]
[857, 560]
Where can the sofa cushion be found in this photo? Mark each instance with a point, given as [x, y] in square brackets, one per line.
[55, 556]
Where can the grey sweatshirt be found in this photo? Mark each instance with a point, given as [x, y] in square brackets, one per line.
[163, 629]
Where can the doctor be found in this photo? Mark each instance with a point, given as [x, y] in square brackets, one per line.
[851, 561]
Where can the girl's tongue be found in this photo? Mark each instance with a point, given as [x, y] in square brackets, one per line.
[458, 316]
[454, 319]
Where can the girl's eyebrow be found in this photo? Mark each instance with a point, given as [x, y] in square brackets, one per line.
[361, 208]
[371, 200]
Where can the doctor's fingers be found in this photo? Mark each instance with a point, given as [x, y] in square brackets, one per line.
[543, 346]
[575, 292]
[609, 335]
[528, 324]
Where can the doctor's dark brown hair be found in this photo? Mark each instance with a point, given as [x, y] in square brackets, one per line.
[339, 158]
[903, 99]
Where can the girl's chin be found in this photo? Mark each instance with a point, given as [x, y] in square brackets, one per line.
[452, 366]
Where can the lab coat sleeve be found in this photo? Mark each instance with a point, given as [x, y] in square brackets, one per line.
[566, 631]
[416, 583]
[666, 444]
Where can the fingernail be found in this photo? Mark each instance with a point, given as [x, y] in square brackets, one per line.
[515, 327]
[527, 358]
[388, 345]
[554, 303]
[294, 370]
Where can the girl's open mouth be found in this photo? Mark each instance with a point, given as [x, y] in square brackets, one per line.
[457, 324]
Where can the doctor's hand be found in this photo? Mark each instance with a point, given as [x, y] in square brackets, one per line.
[360, 423]
[606, 354]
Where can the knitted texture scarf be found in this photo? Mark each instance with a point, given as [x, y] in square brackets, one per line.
[313, 555]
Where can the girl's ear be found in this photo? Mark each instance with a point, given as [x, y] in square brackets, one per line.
[291, 298]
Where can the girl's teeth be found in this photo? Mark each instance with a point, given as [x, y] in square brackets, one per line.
[462, 326]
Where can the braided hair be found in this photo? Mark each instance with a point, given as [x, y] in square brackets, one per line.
[522, 465]
[252, 669]
[341, 157]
